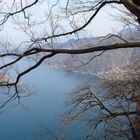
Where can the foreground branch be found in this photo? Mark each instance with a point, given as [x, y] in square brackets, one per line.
[87, 50]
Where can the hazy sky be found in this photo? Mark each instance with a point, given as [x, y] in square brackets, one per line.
[103, 24]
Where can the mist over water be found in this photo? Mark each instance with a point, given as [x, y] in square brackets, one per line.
[44, 108]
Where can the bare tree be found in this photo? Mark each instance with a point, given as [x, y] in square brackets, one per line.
[117, 102]
[111, 108]
[43, 33]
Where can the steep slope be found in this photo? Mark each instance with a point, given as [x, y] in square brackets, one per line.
[86, 63]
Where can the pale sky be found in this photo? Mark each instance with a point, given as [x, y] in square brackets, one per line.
[101, 25]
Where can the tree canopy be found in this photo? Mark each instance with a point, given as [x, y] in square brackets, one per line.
[45, 23]
[44, 31]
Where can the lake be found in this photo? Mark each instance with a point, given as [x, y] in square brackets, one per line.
[40, 114]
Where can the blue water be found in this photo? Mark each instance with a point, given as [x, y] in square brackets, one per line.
[44, 108]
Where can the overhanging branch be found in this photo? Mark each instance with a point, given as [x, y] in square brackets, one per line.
[87, 50]
[84, 25]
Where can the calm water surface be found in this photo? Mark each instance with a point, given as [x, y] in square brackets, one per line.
[44, 108]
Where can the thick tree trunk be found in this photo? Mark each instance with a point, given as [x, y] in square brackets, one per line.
[137, 121]
[133, 6]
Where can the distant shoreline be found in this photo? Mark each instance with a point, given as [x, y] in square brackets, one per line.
[68, 70]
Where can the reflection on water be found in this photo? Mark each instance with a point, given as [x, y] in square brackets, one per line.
[44, 108]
